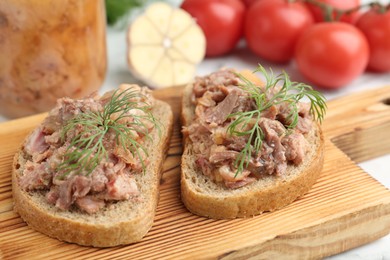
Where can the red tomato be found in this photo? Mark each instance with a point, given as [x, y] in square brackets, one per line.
[340, 4]
[376, 27]
[221, 20]
[272, 28]
[332, 54]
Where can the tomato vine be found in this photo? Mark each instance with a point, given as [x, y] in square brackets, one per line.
[328, 9]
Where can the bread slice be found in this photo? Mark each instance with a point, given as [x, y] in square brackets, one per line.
[121, 223]
[204, 197]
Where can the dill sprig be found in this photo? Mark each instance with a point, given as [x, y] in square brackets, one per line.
[86, 149]
[277, 90]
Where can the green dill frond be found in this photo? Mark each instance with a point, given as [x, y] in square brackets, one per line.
[86, 149]
[277, 90]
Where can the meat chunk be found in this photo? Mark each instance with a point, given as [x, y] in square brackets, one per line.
[270, 113]
[217, 83]
[244, 103]
[199, 135]
[53, 139]
[304, 118]
[35, 177]
[239, 184]
[90, 204]
[220, 154]
[81, 186]
[199, 87]
[122, 187]
[304, 125]
[40, 157]
[304, 109]
[113, 169]
[53, 195]
[98, 179]
[64, 195]
[295, 147]
[274, 131]
[236, 143]
[36, 142]
[220, 112]
[196, 129]
[204, 165]
[207, 99]
[229, 175]
[224, 77]
[71, 189]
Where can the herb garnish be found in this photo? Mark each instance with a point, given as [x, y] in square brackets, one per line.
[264, 97]
[115, 9]
[86, 149]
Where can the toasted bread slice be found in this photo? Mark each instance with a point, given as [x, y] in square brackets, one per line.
[120, 223]
[204, 197]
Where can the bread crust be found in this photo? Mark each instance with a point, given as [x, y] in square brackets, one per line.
[124, 223]
[205, 198]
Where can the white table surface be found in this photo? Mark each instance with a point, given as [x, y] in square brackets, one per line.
[241, 58]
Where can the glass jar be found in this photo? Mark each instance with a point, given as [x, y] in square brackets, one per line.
[49, 49]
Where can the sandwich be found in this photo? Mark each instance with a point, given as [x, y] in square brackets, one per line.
[90, 172]
[249, 146]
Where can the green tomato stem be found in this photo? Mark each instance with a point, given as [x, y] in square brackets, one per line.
[328, 10]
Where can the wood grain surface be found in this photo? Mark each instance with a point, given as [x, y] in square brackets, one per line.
[346, 208]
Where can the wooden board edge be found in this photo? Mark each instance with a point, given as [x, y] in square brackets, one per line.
[364, 144]
[328, 238]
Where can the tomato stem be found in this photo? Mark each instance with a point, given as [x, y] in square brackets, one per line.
[379, 8]
[328, 10]
[328, 15]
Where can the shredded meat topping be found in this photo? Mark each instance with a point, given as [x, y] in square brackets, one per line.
[217, 96]
[112, 180]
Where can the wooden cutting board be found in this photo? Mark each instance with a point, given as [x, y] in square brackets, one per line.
[346, 208]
